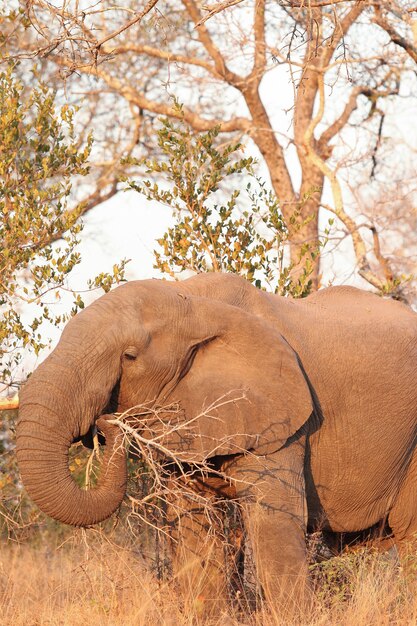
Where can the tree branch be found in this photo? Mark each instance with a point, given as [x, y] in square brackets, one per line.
[93, 200]
[307, 4]
[340, 30]
[210, 46]
[395, 37]
[389, 276]
[135, 20]
[213, 9]
[341, 121]
[364, 269]
[259, 57]
[131, 95]
[338, 209]
[162, 54]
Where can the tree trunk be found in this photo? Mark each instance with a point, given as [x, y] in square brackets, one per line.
[300, 211]
[305, 232]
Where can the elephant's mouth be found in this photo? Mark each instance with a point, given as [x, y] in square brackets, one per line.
[88, 438]
[111, 407]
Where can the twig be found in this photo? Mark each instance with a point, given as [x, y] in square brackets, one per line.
[213, 9]
[150, 5]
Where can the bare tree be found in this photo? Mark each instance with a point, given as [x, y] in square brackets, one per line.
[313, 85]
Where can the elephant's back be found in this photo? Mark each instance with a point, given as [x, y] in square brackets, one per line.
[359, 353]
[364, 305]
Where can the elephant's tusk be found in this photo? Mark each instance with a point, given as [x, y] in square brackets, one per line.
[96, 443]
[94, 453]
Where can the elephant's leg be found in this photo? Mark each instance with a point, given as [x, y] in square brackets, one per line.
[272, 491]
[403, 519]
[198, 554]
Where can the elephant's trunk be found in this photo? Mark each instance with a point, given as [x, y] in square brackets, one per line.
[43, 441]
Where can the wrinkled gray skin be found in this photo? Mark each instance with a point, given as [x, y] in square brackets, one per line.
[326, 432]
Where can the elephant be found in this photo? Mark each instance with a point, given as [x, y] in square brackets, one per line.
[320, 429]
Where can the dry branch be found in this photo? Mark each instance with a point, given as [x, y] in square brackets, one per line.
[399, 40]
[175, 475]
[135, 20]
[214, 9]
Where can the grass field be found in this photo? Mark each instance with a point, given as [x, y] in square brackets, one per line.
[91, 580]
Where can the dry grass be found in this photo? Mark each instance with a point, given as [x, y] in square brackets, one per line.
[90, 580]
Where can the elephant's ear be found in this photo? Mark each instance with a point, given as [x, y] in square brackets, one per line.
[242, 388]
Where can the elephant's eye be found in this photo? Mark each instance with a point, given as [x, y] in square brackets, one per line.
[130, 353]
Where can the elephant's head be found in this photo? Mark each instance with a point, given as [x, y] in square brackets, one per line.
[153, 343]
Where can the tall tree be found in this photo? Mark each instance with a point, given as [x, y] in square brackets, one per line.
[338, 68]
